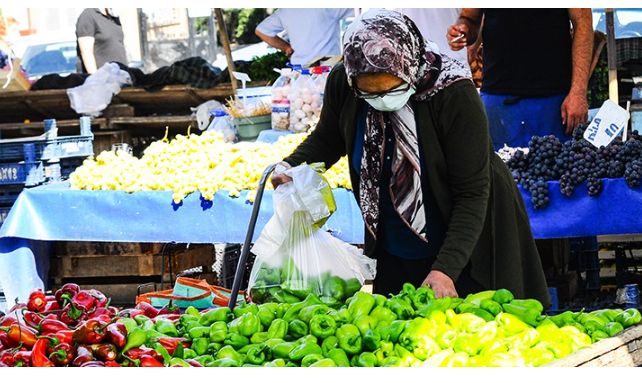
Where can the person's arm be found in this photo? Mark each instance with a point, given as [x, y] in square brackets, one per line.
[276, 42]
[466, 147]
[326, 143]
[575, 107]
[468, 24]
[86, 45]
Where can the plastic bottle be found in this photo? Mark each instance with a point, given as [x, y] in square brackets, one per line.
[320, 76]
[222, 123]
[280, 100]
[304, 103]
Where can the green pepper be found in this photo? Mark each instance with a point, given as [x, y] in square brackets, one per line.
[200, 345]
[393, 361]
[613, 328]
[307, 339]
[352, 287]
[199, 332]
[249, 324]
[402, 308]
[414, 338]
[350, 343]
[511, 323]
[311, 359]
[224, 362]
[322, 326]
[476, 298]
[502, 296]
[278, 329]
[328, 344]
[365, 323]
[483, 314]
[297, 328]
[532, 304]
[366, 359]
[282, 350]
[560, 349]
[446, 336]
[393, 330]
[244, 308]
[564, 318]
[191, 310]
[229, 352]
[406, 356]
[334, 287]
[464, 306]
[629, 317]
[324, 363]
[185, 319]
[164, 353]
[468, 322]
[347, 329]
[129, 323]
[136, 338]
[457, 359]
[214, 347]
[298, 288]
[598, 335]
[331, 302]
[437, 318]
[236, 340]
[527, 315]
[188, 327]
[468, 344]
[491, 306]
[166, 327]
[281, 309]
[339, 357]
[140, 319]
[300, 351]
[341, 316]
[361, 304]
[537, 357]
[204, 359]
[295, 309]
[281, 296]
[256, 354]
[266, 316]
[593, 322]
[188, 353]
[307, 313]
[487, 334]
[275, 363]
[372, 339]
[218, 331]
[383, 314]
[422, 296]
[179, 362]
[380, 300]
[493, 347]
[440, 305]
[219, 314]
[437, 359]
[523, 340]
[506, 360]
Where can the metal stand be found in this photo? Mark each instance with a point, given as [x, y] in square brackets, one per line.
[240, 268]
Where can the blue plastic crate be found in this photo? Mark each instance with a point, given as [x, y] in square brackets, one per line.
[25, 173]
[4, 212]
[9, 194]
[12, 150]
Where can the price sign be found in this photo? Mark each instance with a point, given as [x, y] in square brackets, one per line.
[609, 122]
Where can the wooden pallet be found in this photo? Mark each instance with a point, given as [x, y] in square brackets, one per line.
[623, 350]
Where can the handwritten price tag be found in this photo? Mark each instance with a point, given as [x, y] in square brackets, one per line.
[609, 122]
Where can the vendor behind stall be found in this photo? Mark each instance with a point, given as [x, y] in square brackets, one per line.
[100, 39]
[440, 207]
[535, 69]
[312, 32]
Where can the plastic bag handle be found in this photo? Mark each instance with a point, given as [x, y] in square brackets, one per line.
[240, 267]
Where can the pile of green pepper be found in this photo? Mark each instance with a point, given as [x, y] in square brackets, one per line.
[412, 328]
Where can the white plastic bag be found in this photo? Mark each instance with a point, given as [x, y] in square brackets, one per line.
[95, 94]
[295, 257]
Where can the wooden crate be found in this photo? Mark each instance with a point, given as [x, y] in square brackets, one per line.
[622, 350]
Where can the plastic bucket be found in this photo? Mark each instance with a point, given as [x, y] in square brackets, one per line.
[250, 127]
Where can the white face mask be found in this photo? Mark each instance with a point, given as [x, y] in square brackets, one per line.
[391, 102]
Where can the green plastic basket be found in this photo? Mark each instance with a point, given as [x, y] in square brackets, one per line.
[250, 127]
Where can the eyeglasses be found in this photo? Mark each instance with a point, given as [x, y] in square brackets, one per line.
[403, 88]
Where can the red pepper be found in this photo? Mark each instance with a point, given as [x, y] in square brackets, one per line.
[37, 301]
[100, 300]
[172, 317]
[93, 363]
[100, 311]
[90, 332]
[4, 340]
[32, 319]
[67, 291]
[169, 308]
[193, 363]
[111, 363]
[23, 359]
[7, 358]
[72, 316]
[52, 326]
[148, 309]
[51, 316]
[130, 313]
[113, 310]
[135, 354]
[83, 355]
[4, 365]
[38, 356]
[18, 333]
[62, 354]
[104, 351]
[7, 321]
[83, 301]
[117, 334]
[53, 305]
[170, 344]
[149, 361]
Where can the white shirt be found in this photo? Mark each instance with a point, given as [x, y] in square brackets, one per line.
[433, 24]
[313, 32]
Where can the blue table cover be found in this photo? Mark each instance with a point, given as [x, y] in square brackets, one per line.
[271, 136]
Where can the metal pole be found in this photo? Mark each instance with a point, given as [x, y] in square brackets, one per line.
[240, 267]
[611, 55]
[226, 46]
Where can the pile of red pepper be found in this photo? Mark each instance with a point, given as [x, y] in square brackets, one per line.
[76, 328]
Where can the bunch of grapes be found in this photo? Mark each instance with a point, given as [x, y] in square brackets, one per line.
[574, 162]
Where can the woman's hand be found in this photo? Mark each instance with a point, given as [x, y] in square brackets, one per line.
[278, 177]
[441, 284]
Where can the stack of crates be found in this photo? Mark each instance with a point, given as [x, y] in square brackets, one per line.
[33, 161]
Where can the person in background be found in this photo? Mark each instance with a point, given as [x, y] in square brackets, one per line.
[535, 69]
[439, 206]
[100, 39]
[432, 22]
[313, 32]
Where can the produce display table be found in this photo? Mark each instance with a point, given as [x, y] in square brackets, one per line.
[56, 213]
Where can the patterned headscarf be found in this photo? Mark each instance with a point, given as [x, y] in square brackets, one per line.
[382, 41]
